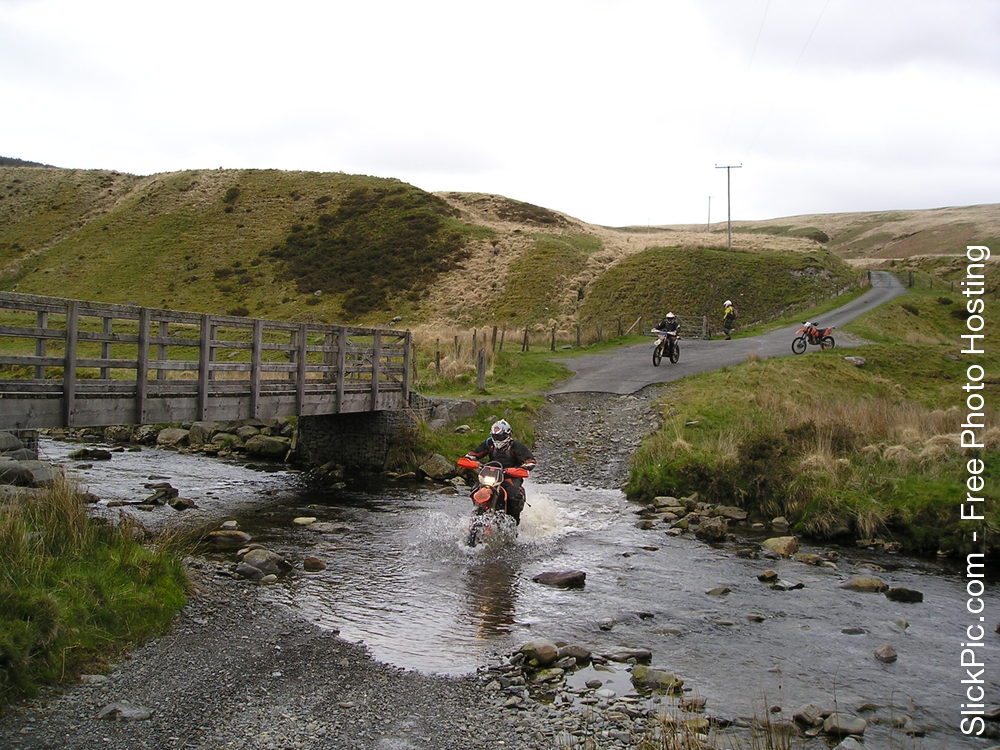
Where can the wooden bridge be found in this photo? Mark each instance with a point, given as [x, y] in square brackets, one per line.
[67, 363]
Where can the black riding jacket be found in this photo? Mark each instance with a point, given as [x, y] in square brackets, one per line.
[514, 454]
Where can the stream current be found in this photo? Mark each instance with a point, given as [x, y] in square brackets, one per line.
[400, 580]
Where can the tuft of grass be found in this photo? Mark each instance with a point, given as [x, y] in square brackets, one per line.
[73, 590]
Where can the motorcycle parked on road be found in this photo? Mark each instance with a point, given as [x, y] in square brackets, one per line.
[813, 334]
[490, 520]
[667, 345]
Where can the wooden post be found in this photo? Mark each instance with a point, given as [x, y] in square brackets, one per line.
[340, 372]
[376, 367]
[106, 345]
[475, 345]
[704, 327]
[458, 348]
[437, 356]
[300, 370]
[255, 369]
[42, 321]
[493, 340]
[619, 326]
[481, 370]
[161, 350]
[409, 355]
[503, 332]
[526, 345]
[577, 335]
[552, 346]
[600, 333]
[204, 365]
[142, 367]
[69, 363]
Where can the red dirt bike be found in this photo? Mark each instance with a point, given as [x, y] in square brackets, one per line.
[490, 520]
[810, 333]
[667, 345]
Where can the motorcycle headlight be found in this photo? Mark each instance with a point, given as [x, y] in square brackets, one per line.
[488, 481]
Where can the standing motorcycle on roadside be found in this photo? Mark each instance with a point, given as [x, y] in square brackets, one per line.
[490, 520]
[666, 345]
[813, 334]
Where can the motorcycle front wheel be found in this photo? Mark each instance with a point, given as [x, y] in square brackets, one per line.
[798, 345]
[675, 352]
[657, 355]
[827, 342]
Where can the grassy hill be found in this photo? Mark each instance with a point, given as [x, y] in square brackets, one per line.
[350, 248]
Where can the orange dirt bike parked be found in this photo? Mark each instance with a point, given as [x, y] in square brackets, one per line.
[810, 333]
[667, 345]
[490, 519]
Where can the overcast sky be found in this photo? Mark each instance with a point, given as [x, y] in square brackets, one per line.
[613, 111]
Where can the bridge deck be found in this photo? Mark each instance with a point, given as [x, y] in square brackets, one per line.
[76, 363]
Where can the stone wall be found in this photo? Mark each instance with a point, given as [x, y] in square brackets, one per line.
[365, 441]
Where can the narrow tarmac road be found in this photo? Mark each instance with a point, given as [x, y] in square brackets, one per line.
[630, 369]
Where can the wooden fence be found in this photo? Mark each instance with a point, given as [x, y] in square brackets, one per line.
[76, 363]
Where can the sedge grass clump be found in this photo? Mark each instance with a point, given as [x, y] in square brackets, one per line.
[74, 590]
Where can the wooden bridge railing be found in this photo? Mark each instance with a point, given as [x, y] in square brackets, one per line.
[73, 363]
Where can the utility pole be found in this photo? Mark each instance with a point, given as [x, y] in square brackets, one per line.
[708, 224]
[729, 213]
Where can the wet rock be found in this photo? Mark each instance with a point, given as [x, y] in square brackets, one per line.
[713, 529]
[227, 538]
[809, 715]
[438, 467]
[182, 503]
[90, 454]
[268, 447]
[313, 564]
[886, 654]
[719, 591]
[841, 724]
[562, 578]
[768, 576]
[656, 679]
[900, 594]
[304, 520]
[28, 473]
[866, 584]
[267, 561]
[172, 437]
[244, 570]
[779, 524]
[540, 653]
[785, 546]
[630, 655]
[787, 585]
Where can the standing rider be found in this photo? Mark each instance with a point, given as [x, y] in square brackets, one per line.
[500, 446]
[728, 318]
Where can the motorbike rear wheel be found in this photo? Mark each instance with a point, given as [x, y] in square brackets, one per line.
[657, 355]
[827, 342]
[675, 352]
[799, 344]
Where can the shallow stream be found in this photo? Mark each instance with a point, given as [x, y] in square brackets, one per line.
[400, 580]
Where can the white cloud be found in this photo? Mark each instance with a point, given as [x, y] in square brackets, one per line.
[615, 111]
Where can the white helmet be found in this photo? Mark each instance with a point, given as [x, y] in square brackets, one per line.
[728, 302]
[501, 433]
[670, 316]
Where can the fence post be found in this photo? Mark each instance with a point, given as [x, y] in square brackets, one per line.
[600, 333]
[475, 346]
[503, 332]
[481, 370]
[458, 347]
[704, 327]
[493, 340]
[526, 345]
[437, 356]
[577, 335]
[619, 326]
[552, 346]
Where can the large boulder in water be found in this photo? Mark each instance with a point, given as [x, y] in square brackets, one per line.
[562, 578]
[438, 467]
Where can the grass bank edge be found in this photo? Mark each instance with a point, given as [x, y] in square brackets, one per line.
[75, 591]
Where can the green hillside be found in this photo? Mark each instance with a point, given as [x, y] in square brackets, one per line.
[349, 248]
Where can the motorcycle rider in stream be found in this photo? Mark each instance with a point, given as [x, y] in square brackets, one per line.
[500, 446]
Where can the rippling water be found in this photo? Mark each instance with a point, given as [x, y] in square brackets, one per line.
[400, 580]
